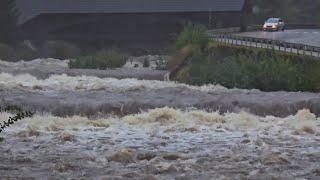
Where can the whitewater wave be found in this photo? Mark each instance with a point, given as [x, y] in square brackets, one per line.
[78, 83]
[168, 118]
[47, 62]
[165, 143]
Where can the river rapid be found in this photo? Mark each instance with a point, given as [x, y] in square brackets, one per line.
[101, 125]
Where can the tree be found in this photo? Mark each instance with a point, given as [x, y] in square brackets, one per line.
[8, 20]
[292, 11]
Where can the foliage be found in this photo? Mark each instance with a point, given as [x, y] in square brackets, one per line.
[146, 63]
[19, 115]
[293, 11]
[104, 59]
[8, 20]
[192, 41]
[7, 52]
[17, 52]
[251, 68]
[195, 35]
[60, 50]
[24, 52]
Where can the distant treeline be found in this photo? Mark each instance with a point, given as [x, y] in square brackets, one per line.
[293, 11]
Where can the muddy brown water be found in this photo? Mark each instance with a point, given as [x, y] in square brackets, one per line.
[163, 144]
[89, 126]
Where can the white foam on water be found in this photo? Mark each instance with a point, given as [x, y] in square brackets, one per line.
[48, 62]
[169, 117]
[194, 140]
[70, 83]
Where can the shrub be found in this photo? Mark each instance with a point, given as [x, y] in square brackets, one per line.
[146, 63]
[60, 50]
[242, 67]
[103, 59]
[7, 53]
[195, 35]
[192, 41]
[24, 52]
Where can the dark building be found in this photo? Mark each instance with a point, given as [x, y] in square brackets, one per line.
[122, 21]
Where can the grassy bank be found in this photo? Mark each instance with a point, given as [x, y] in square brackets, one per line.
[244, 67]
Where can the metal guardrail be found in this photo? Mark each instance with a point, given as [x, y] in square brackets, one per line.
[259, 28]
[226, 35]
[287, 26]
[300, 49]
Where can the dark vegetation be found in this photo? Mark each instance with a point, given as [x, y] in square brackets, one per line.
[104, 59]
[19, 115]
[293, 11]
[8, 20]
[203, 62]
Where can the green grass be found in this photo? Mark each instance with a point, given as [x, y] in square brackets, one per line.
[104, 59]
[248, 68]
[256, 69]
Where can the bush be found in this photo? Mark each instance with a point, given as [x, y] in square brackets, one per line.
[103, 59]
[195, 35]
[60, 50]
[250, 68]
[192, 41]
[7, 53]
[25, 53]
[146, 63]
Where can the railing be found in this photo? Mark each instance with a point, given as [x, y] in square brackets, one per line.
[300, 49]
[228, 35]
[259, 28]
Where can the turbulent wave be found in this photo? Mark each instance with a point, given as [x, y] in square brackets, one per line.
[169, 117]
[163, 143]
[53, 63]
[77, 83]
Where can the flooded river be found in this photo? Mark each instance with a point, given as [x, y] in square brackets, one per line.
[163, 143]
[109, 125]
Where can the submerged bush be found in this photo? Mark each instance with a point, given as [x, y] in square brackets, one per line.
[7, 52]
[104, 59]
[25, 52]
[251, 68]
[60, 50]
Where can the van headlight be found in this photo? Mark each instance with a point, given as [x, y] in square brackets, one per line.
[274, 26]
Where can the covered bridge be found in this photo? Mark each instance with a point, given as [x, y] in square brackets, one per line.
[122, 20]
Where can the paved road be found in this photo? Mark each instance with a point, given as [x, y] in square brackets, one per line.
[301, 36]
